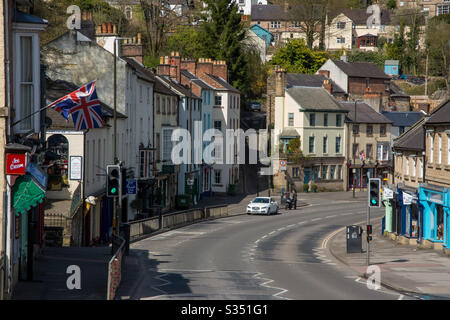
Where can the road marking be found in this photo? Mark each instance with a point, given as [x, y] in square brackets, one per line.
[272, 232]
[264, 284]
[331, 216]
[325, 241]
[316, 219]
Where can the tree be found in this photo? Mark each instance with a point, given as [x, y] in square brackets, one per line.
[221, 36]
[437, 46]
[367, 56]
[297, 57]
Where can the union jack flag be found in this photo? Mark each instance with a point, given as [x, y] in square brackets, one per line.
[83, 105]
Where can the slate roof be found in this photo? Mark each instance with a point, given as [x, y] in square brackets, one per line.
[359, 16]
[396, 91]
[310, 80]
[314, 99]
[223, 84]
[440, 115]
[56, 89]
[173, 84]
[202, 84]
[267, 12]
[140, 69]
[364, 113]
[22, 17]
[403, 119]
[361, 69]
[411, 139]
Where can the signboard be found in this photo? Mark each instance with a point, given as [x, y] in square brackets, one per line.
[388, 193]
[131, 186]
[76, 165]
[15, 164]
[282, 165]
[38, 174]
[407, 198]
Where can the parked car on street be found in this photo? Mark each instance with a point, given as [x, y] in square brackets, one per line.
[255, 106]
[264, 205]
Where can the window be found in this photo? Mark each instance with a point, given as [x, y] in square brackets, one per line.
[401, 130]
[339, 172]
[369, 130]
[383, 130]
[443, 9]
[431, 148]
[140, 93]
[421, 169]
[290, 119]
[325, 119]
[311, 144]
[338, 144]
[26, 92]
[217, 176]
[383, 151]
[158, 147]
[332, 172]
[144, 163]
[295, 24]
[325, 147]
[295, 172]
[440, 150]
[355, 150]
[324, 172]
[448, 149]
[275, 24]
[355, 129]
[167, 145]
[369, 151]
[148, 95]
[338, 120]
[315, 174]
[340, 25]
[218, 100]
[367, 79]
[407, 166]
[312, 119]
[340, 40]
[174, 105]
[218, 125]
[414, 167]
[158, 107]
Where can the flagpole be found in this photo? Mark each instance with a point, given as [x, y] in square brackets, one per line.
[46, 107]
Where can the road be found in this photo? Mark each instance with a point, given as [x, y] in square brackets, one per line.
[255, 257]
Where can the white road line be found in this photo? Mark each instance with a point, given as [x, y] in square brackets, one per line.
[272, 232]
[264, 284]
[331, 216]
[316, 219]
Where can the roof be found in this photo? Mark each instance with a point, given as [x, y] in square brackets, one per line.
[411, 139]
[55, 89]
[396, 91]
[364, 113]
[361, 69]
[199, 82]
[175, 85]
[360, 16]
[440, 115]
[403, 119]
[310, 80]
[268, 12]
[289, 132]
[141, 71]
[223, 84]
[314, 99]
[22, 17]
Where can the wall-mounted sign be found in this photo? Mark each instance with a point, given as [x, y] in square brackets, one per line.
[388, 193]
[38, 174]
[131, 186]
[16, 164]
[283, 165]
[76, 166]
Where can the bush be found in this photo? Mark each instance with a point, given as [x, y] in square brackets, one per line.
[314, 188]
[322, 189]
[305, 187]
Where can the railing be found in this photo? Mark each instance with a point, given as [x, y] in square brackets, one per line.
[141, 228]
[115, 266]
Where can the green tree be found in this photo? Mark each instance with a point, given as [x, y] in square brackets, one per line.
[391, 4]
[297, 57]
[396, 49]
[437, 46]
[186, 41]
[367, 56]
[222, 36]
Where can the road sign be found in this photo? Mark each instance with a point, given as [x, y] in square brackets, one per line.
[283, 165]
[131, 186]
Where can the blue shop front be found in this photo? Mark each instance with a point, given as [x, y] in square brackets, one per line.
[436, 213]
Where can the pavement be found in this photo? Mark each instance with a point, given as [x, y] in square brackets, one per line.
[423, 273]
[50, 277]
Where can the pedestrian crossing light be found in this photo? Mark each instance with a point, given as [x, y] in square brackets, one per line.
[113, 181]
[374, 193]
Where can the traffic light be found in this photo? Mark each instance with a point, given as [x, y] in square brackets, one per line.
[113, 181]
[369, 229]
[374, 193]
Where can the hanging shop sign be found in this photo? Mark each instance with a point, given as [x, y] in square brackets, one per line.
[388, 193]
[16, 164]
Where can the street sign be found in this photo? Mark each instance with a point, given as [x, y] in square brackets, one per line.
[283, 165]
[131, 186]
[407, 198]
[388, 193]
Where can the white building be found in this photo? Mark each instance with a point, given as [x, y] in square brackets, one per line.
[245, 6]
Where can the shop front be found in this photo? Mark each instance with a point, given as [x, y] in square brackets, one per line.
[435, 202]
[409, 212]
[390, 204]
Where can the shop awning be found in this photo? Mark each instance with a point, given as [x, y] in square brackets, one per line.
[26, 194]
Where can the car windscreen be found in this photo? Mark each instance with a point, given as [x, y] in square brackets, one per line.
[261, 200]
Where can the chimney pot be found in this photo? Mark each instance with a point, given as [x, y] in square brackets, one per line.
[139, 36]
[115, 29]
[110, 30]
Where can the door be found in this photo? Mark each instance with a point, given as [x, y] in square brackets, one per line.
[307, 177]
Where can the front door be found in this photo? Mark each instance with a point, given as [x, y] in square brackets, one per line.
[307, 177]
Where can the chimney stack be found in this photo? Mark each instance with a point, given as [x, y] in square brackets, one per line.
[325, 73]
[280, 81]
[133, 49]
[189, 65]
[204, 66]
[164, 67]
[327, 85]
[220, 69]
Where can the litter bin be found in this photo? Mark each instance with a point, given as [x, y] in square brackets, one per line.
[125, 233]
[354, 239]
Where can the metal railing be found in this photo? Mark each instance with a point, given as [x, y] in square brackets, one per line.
[115, 266]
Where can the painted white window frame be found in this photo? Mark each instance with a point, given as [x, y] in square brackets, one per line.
[431, 148]
[440, 150]
[35, 123]
[407, 166]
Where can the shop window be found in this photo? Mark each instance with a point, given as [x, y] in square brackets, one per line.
[56, 160]
[439, 222]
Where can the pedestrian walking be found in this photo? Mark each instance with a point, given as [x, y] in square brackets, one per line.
[294, 199]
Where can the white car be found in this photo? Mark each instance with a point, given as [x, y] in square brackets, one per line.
[265, 205]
